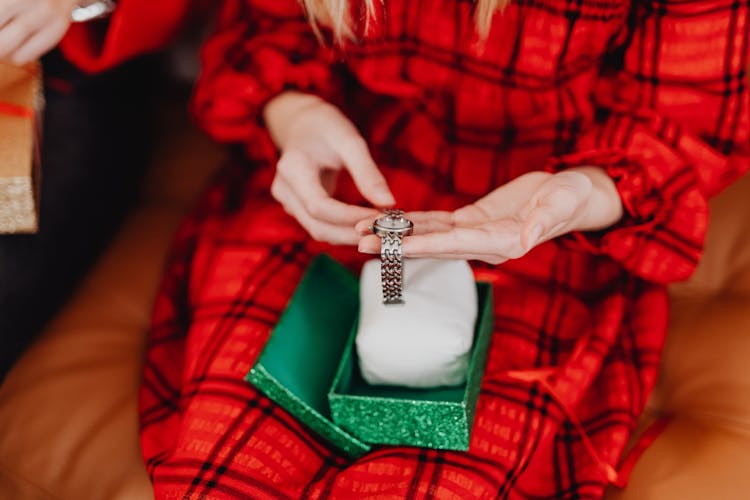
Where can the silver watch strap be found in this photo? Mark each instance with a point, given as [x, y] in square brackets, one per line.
[392, 268]
[90, 10]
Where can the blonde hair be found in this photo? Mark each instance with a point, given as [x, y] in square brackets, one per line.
[335, 15]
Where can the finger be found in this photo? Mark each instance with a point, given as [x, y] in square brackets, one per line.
[12, 36]
[471, 215]
[499, 239]
[39, 43]
[490, 259]
[9, 10]
[431, 221]
[364, 227]
[304, 179]
[424, 222]
[371, 245]
[318, 230]
[550, 212]
[366, 175]
[25, 25]
[502, 203]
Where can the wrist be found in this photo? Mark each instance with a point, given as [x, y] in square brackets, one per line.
[280, 111]
[604, 206]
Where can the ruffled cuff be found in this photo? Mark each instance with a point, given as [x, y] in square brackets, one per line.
[660, 236]
[239, 78]
[135, 27]
[229, 106]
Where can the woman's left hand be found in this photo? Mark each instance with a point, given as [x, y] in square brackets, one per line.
[512, 219]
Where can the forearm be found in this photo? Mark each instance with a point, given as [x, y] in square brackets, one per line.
[281, 110]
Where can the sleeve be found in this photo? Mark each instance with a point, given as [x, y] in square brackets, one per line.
[260, 48]
[135, 27]
[671, 131]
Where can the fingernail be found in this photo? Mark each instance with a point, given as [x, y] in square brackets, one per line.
[363, 249]
[386, 197]
[534, 235]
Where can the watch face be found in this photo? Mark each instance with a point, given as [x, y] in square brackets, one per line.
[393, 225]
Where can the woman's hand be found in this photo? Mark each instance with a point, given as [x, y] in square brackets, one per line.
[514, 218]
[317, 141]
[30, 28]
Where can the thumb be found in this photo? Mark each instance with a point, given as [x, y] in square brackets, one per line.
[549, 214]
[366, 175]
[537, 226]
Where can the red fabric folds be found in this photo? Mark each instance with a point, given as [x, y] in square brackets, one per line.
[136, 27]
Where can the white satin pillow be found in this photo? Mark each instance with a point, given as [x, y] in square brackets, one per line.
[427, 341]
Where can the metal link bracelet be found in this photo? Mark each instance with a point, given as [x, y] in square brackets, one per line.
[391, 268]
[391, 229]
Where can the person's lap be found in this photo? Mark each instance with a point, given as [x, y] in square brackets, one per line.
[205, 431]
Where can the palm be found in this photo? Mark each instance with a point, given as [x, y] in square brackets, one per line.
[503, 225]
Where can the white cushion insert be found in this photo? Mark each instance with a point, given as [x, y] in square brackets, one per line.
[425, 342]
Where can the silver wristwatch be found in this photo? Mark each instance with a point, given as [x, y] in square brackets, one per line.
[391, 229]
[88, 10]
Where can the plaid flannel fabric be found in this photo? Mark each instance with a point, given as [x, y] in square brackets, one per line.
[654, 92]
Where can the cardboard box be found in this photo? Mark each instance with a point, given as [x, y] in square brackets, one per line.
[20, 105]
[309, 368]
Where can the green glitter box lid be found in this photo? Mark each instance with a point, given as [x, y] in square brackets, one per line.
[298, 363]
[308, 367]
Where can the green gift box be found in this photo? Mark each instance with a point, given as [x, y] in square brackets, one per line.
[309, 367]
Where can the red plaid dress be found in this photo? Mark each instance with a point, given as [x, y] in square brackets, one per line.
[654, 92]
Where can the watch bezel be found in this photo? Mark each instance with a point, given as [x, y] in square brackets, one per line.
[406, 230]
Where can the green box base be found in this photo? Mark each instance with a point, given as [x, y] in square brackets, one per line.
[440, 418]
[309, 368]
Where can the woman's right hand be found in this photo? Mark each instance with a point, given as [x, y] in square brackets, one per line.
[316, 142]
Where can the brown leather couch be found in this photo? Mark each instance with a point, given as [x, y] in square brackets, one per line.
[68, 422]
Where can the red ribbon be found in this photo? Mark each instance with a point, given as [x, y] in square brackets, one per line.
[16, 110]
[9, 109]
[613, 476]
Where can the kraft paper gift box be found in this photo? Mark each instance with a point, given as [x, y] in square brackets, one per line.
[20, 106]
[309, 367]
